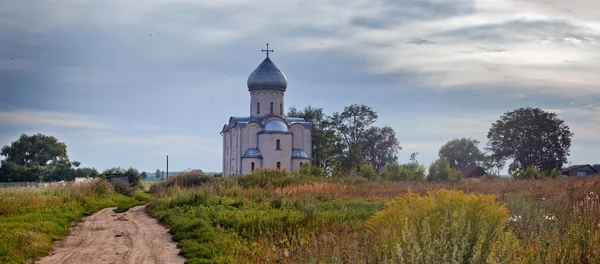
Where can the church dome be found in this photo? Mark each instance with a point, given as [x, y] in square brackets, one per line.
[267, 77]
[275, 126]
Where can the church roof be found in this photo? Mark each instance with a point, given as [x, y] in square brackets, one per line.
[264, 122]
[299, 154]
[267, 77]
[252, 153]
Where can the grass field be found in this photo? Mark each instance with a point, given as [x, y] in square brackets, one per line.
[32, 218]
[277, 218]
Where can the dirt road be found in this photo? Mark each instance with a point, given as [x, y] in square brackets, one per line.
[111, 238]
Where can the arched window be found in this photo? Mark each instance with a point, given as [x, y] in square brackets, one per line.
[278, 165]
[258, 108]
[281, 109]
[278, 145]
[300, 164]
[271, 108]
[252, 166]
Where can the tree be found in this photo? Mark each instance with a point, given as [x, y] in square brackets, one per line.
[351, 127]
[135, 179]
[144, 175]
[440, 170]
[462, 153]
[158, 174]
[36, 150]
[324, 141]
[381, 147]
[529, 137]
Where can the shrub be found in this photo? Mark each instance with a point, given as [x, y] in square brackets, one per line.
[530, 173]
[123, 188]
[443, 226]
[440, 170]
[367, 171]
[188, 179]
[404, 172]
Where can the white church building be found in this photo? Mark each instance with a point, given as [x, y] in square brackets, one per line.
[266, 138]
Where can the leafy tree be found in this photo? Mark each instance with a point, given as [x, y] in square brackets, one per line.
[159, 175]
[351, 127]
[440, 170]
[530, 137]
[381, 147]
[135, 179]
[36, 150]
[144, 175]
[325, 144]
[462, 153]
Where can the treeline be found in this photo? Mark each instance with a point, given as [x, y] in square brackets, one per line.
[535, 141]
[41, 158]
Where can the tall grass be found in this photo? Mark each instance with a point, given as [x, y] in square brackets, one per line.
[32, 218]
[268, 217]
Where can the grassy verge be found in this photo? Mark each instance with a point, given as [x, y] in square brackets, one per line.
[32, 218]
[275, 219]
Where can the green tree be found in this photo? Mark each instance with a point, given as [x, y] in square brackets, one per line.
[529, 137]
[144, 175]
[440, 170]
[462, 153]
[381, 147]
[325, 144]
[36, 150]
[135, 179]
[159, 175]
[351, 127]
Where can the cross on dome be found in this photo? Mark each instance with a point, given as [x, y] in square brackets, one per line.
[267, 50]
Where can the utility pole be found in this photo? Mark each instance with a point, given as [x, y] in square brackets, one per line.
[167, 167]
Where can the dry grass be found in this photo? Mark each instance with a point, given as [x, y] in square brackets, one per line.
[323, 220]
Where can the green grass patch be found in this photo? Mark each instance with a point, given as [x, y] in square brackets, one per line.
[32, 218]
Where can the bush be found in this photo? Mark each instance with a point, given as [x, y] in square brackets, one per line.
[123, 188]
[404, 172]
[530, 173]
[443, 226]
[367, 171]
[440, 170]
[188, 179]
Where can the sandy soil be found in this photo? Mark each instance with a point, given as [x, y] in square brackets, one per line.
[111, 238]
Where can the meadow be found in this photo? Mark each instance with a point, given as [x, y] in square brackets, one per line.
[274, 217]
[31, 218]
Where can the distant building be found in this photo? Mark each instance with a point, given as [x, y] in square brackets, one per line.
[266, 138]
[472, 172]
[579, 170]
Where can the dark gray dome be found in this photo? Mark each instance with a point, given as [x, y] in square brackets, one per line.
[267, 77]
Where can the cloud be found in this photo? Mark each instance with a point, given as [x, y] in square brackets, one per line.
[509, 44]
[420, 41]
[30, 118]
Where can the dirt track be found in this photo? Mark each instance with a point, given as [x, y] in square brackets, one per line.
[111, 238]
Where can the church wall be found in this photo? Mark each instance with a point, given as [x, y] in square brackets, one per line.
[253, 130]
[224, 156]
[266, 143]
[247, 165]
[307, 141]
[298, 140]
[244, 140]
[296, 164]
[265, 98]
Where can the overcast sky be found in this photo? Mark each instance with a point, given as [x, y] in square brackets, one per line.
[125, 83]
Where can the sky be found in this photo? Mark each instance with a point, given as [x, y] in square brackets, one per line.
[126, 83]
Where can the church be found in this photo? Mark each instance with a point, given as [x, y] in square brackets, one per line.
[266, 138]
